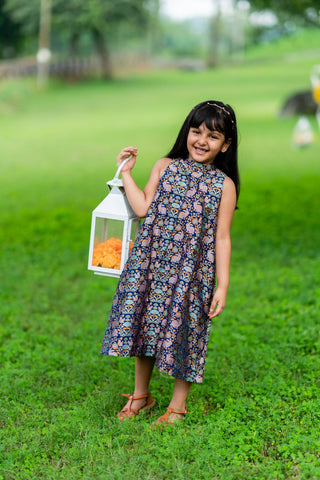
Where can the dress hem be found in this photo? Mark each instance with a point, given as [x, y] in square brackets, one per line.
[159, 368]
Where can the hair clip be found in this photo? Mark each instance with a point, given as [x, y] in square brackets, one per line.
[221, 108]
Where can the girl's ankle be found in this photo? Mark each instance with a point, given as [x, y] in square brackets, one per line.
[139, 394]
[178, 407]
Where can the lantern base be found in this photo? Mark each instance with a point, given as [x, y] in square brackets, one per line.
[106, 272]
[116, 274]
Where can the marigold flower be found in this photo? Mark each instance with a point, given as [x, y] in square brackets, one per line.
[108, 254]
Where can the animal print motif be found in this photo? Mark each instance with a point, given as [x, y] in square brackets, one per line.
[162, 301]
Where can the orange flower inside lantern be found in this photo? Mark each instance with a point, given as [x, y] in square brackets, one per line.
[108, 253]
[114, 227]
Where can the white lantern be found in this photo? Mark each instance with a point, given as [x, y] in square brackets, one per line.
[114, 228]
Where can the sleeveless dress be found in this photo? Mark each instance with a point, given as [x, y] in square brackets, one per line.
[161, 304]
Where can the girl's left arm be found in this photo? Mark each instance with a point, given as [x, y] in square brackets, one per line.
[223, 247]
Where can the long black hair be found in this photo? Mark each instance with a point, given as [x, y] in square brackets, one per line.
[216, 116]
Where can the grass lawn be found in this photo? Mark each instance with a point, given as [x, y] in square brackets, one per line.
[256, 416]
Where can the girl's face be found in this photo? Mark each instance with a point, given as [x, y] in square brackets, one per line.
[204, 145]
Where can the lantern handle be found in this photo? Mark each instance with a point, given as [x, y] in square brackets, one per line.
[120, 167]
[116, 182]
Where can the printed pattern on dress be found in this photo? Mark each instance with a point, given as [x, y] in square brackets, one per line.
[162, 301]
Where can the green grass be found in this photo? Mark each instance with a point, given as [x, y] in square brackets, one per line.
[302, 42]
[256, 416]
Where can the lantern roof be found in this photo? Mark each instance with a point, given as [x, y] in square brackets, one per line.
[115, 205]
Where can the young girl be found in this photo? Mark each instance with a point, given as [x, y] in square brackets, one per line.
[166, 296]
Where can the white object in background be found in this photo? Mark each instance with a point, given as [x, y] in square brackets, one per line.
[303, 133]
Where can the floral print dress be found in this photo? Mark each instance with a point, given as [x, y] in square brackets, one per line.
[162, 301]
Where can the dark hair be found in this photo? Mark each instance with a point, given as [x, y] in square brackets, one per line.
[218, 116]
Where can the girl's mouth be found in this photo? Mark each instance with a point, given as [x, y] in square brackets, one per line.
[201, 150]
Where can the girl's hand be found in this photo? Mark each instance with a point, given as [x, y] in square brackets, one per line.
[218, 303]
[125, 153]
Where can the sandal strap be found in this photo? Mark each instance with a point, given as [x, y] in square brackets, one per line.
[128, 410]
[137, 397]
[172, 410]
[131, 398]
[164, 419]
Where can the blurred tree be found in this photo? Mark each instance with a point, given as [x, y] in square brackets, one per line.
[184, 39]
[300, 9]
[11, 37]
[215, 26]
[73, 18]
[153, 26]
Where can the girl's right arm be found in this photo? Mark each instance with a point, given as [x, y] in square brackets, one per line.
[140, 200]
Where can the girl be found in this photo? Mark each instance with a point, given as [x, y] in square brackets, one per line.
[166, 296]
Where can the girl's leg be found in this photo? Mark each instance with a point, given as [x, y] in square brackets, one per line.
[180, 393]
[143, 371]
[178, 403]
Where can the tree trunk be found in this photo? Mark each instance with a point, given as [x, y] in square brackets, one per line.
[214, 39]
[103, 53]
[73, 44]
[153, 33]
[43, 56]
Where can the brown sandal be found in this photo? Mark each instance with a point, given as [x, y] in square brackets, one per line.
[165, 418]
[128, 412]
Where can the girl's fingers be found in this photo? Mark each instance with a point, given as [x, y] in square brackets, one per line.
[217, 311]
[218, 303]
[125, 153]
[216, 308]
[129, 151]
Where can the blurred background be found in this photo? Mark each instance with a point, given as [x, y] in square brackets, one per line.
[139, 33]
[80, 80]
[76, 39]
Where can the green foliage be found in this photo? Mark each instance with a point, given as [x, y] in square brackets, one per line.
[76, 15]
[74, 20]
[183, 39]
[99, 14]
[10, 34]
[257, 413]
[295, 9]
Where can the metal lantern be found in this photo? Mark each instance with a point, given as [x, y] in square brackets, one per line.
[114, 228]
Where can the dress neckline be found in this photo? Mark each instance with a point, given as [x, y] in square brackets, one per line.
[198, 166]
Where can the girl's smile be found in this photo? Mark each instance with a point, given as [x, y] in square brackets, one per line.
[204, 145]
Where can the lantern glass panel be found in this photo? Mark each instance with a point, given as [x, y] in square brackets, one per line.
[135, 229]
[107, 243]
